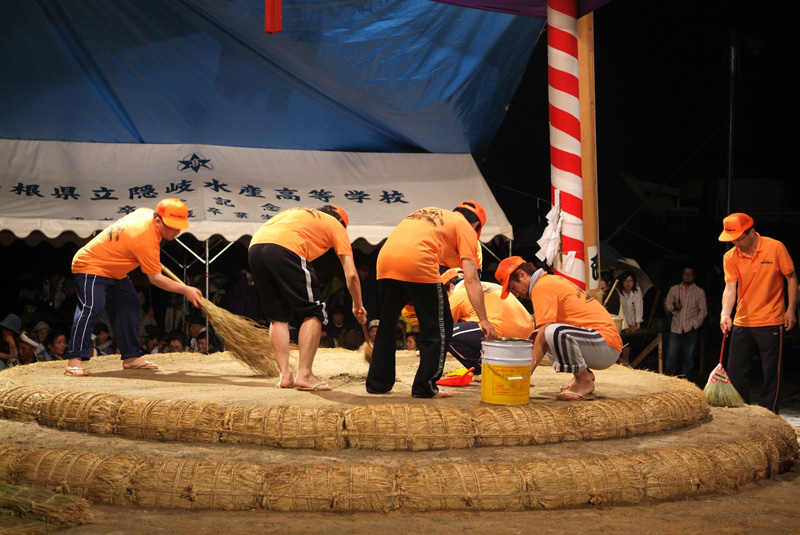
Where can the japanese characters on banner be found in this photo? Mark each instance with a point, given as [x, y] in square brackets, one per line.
[54, 187]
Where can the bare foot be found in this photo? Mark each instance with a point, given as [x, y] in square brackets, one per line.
[310, 382]
[572, 381]
[286, 381]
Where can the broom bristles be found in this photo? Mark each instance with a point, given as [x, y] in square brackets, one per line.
[720, 392]
[244, 338]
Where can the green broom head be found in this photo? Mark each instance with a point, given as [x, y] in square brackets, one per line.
[719, 391]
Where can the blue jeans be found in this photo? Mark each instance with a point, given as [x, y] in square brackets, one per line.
[680, 351]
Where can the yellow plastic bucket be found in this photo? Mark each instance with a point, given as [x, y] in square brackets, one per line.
[506, 371]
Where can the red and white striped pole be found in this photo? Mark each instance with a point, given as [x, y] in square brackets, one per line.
[565, 135]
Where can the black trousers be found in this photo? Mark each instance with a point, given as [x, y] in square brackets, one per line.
[746, 342]
[436, 328]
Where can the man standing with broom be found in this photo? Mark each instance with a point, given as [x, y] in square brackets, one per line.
[755, 269]
[279, 257]
[101, 270]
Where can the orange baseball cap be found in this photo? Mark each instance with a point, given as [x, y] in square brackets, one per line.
[734, 226]
[505, 269]
[174, 212]
[477, 209]
[342, 214]
[451, 274]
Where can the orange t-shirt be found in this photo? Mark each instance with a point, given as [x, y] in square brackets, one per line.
[423, 241]
[557, 300]
[305, 231]
[759, 282]
[130, 242]
[507, 316]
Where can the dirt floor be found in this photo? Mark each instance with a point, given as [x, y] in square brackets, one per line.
[763, 507]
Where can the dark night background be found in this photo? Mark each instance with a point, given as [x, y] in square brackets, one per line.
[663, 101]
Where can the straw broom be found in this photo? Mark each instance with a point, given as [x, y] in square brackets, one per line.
[719, 391]
[246, 339]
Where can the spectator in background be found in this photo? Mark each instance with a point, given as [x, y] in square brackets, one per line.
[411, 341]
[632, 312]
[56, 344]
[66, 310]
[10, 329]
[687, 304]
[176, 342]
[26, 347]
[40, 332]
[610, 299]
[148, 315]
[243, 297]
[197, 326]
[150, 341]
[202, 345]
[103, 342]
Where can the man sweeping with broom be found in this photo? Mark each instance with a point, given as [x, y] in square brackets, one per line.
[754, 272]
[279, 257]
[101, 270]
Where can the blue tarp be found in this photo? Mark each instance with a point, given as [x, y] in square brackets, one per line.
[367, 76]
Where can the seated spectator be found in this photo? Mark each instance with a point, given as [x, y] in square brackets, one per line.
[197, 326]
[150, 341]
[27, 349]
[176, 342]
[103, 342]
[147, 317]
[66, 310]
[336, 329]
[372, 330]
[411, 341]
[56, 345]
[10, 329]
[202, 345]
[39, 333]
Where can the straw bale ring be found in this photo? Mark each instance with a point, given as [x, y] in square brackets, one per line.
[408, 427]
[189, 484]
[443, 486]
[170, 420]
[98, 477]
[523, 425]
[570, 482]
[330, 487]
[91, 412]
[22, 403]
[8, 454]
[284, 426]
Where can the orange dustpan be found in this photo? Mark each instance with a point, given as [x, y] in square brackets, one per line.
[458, 380]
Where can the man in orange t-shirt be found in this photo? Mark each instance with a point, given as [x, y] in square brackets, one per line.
[572, 328]
[101, 270]
[408, 271]
[755, 269]
[509, 318]
[279, 257]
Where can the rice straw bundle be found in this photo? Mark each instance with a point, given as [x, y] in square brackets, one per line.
[246, 339]
[56, 510]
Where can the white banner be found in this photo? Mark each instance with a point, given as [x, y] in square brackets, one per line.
[55, 187]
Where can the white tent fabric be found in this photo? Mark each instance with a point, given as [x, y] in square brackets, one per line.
[61, 187]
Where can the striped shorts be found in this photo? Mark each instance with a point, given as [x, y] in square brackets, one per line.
[573, 349]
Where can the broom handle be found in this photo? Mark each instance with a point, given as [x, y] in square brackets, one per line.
[366, 334]
[610, 292]
[170, 274]
[722, 349]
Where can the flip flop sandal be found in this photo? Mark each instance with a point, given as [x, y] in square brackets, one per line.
[146, 366]
[442, 393]
[569, 395]
[76, 372]
[321, 387]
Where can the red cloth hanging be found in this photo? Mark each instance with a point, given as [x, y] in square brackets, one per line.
[273, 16]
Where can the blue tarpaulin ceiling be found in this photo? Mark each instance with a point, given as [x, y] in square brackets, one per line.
[369, 76]
[103, 103]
